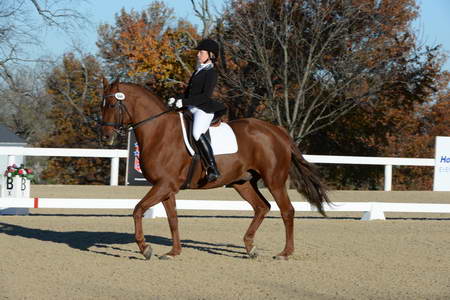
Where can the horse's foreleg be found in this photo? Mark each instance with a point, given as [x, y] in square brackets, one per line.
[157, 194]
[171, 211]
[261, 207]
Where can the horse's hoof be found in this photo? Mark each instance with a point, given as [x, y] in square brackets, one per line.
[166, 257]
[253, 253]
[280, 257]
[147, 252]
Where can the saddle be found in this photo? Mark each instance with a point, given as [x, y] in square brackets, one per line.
[221, 135]
[189, 122]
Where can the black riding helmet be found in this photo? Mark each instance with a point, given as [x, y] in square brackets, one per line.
[208, 45]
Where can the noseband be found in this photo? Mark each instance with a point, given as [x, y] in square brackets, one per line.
[120, 109]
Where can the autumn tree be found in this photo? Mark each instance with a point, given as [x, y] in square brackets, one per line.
[145, 48]
[393, 126]
[75, 89]
[311, 62]
[414, 135]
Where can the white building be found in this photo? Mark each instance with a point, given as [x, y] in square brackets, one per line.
[9, 139]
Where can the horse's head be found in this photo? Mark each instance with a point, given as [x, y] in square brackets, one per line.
[115, 111]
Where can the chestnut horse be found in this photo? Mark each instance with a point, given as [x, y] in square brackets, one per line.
[265, 151]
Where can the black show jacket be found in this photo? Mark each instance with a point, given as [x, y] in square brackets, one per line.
[200, 89]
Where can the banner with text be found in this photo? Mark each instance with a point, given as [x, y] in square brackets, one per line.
[442, 164]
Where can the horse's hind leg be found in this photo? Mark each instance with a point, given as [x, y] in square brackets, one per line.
[261, 206]
[277, 187]
[279, 193]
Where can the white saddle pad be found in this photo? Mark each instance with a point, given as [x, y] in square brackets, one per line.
[223, 139]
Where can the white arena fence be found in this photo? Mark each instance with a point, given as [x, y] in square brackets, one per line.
[372, 210]
[116, 154]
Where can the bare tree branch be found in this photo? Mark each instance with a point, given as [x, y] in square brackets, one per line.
[204, 14]
[52, 17]
[310, 62]
[22, 21]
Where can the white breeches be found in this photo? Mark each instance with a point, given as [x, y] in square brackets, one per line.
[202, 120]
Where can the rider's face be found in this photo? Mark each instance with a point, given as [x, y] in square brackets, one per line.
[202, 56]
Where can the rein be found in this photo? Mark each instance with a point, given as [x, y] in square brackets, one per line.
[137, 124]
[121, 109]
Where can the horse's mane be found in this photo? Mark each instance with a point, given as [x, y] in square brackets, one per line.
[150, 94]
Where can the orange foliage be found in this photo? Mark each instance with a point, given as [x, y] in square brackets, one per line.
[145, 47]
[74, 86]
[414, 136]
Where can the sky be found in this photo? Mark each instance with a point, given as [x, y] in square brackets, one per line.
[432, 26]
[434, 23]
[104, 11]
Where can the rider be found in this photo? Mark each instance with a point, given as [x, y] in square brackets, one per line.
[197, 98]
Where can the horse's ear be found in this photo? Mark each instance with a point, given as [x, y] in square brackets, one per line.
[116, 81]
[105, 83]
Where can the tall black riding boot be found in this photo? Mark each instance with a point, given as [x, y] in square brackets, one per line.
[208, 158]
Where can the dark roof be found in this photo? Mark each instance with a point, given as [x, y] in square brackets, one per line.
[7, 136]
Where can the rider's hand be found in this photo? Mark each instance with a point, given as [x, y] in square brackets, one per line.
[179, 103]
[171, 102]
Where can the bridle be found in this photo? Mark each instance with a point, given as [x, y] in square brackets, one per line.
[121, 109]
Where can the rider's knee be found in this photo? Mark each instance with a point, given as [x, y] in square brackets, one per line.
[196, 135]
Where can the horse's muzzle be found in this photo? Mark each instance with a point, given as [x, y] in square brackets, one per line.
[109, 138]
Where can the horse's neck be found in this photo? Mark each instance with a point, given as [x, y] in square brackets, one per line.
[145, 108]
[153, 134]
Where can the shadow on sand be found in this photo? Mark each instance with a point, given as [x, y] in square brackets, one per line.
[106, 243]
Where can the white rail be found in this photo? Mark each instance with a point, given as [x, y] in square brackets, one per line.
[115, 154]
[387, 162]
[372, 210]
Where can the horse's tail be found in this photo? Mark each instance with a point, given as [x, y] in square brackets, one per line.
[305, 177]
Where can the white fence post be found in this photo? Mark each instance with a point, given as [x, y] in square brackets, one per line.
[375, 213]
[114, 171]
[388, 178]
